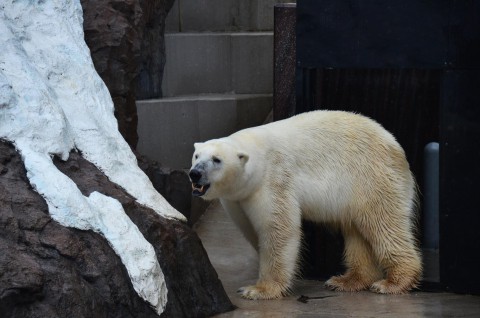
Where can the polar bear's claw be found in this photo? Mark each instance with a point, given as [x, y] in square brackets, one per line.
[255, 292]
[384, 286]
[346, 283]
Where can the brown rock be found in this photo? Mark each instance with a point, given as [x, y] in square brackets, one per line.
[113, 34]
[47, 270]
[175, 187]
[152, 53]
[126, 40]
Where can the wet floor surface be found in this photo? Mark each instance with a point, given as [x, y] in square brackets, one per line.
[236, 263]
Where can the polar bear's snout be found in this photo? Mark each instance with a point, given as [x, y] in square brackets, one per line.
[199, 186]
[195, 175]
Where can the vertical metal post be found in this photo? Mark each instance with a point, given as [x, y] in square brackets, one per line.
[284, 60]
[430, 196]
[431, 213]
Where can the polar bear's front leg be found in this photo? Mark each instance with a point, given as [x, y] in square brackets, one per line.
[278, 229]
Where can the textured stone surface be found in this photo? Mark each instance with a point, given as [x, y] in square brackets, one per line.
[48, 270]
[52, 101]
[175, 186]
[126, 40]
[152, 53]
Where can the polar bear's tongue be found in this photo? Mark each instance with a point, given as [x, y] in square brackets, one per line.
[198, 189]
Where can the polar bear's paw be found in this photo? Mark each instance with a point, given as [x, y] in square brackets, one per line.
[385, 286]
[261, 291]
[347, 283]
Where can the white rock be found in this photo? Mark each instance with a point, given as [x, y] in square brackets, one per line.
[52, 101]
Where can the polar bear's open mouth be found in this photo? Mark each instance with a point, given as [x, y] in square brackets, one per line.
[198, 189]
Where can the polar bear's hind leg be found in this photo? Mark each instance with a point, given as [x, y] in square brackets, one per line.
[394, 246]
[362, 267]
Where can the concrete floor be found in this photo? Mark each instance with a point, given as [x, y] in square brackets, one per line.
[236, 263]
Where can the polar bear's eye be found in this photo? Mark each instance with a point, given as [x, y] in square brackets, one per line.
[216, 160]
[196, 156]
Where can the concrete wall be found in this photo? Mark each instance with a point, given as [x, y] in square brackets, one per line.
[171, 126]
[218, 77]
[204, 63]
[223, 15]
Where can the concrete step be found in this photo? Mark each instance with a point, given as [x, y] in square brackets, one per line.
[168, 127]
[221, 15]
[204, 63]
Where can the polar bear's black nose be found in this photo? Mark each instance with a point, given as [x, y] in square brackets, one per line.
[195, 175]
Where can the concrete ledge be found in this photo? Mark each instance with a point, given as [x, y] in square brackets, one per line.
[221, 15]
[167, 128]
[199, 63]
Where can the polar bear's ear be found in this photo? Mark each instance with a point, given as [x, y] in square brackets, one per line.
[197, 144]
[243, 157]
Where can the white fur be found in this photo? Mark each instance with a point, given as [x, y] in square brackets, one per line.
[325, 166]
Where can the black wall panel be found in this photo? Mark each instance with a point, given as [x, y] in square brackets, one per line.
[414, 66]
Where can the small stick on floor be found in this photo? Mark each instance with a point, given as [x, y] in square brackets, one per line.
[304, 299]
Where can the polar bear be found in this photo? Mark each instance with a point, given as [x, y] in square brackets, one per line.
[335, 167]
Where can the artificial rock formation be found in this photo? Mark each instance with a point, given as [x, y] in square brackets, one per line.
[54, 105]
[126, 40]
[175, 187]
[48, 270]
[152, 52]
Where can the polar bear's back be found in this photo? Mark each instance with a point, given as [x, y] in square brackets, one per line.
[337, 159]
[339, 124]
[322, 132]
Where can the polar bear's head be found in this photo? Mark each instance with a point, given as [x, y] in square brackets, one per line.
[217, 169]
